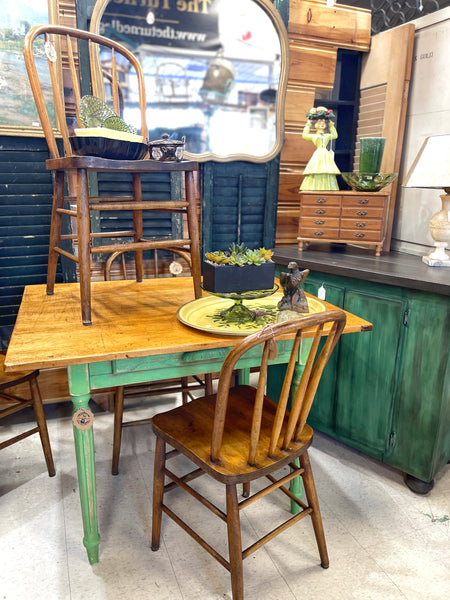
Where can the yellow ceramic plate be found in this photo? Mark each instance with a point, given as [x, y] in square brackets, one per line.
[204, 314]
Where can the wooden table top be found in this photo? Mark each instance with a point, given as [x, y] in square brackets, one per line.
[129, 320]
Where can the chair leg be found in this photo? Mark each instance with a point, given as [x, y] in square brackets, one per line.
[42, 425]
[235, 543]
[193, 233]
[208, 384]
[313, 501]
[158, 492]
[55, 231]
[138, 226]
[84, 255]
[117, 436]
[184, 390]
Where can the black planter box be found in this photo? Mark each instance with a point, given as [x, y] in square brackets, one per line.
[231, 278]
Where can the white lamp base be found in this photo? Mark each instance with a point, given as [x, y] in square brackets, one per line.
[439, 257]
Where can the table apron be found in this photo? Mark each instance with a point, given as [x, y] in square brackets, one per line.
[167, 366]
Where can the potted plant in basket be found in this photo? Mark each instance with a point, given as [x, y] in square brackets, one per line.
[238, 270]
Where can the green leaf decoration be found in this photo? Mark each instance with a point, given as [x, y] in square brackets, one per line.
[94, 111]
[115, 122]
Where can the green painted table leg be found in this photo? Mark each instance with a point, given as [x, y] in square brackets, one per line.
[84, 450]
[296, 486]
[244, 376]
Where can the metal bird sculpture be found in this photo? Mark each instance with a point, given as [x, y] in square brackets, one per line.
[294, 297]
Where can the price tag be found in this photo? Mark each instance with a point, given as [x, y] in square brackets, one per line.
[321, 293]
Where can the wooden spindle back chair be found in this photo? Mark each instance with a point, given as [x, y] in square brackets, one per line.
[181, 385]
[72, 58]
[239, 434]
[13, 401]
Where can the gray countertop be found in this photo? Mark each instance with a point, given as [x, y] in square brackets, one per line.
[395, 268]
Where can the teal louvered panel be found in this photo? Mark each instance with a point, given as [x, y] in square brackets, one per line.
[25, 209]
[239, 203]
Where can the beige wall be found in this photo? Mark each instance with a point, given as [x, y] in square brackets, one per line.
[428, 114]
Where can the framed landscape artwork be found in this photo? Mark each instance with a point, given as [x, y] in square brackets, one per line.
[18, 114]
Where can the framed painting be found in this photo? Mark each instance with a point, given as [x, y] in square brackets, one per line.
[18, 114]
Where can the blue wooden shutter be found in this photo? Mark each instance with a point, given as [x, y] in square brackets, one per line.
[25, 210]
[239, 204]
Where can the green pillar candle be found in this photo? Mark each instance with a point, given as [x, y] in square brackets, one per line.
[371, 153]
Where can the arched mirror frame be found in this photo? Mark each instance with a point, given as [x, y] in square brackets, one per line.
[275, 17]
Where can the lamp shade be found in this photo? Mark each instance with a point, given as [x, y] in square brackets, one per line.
[431, 168]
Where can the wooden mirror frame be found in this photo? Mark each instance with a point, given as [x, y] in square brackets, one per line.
[275, 18]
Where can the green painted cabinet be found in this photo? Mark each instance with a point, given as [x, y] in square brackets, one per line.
[387, 393]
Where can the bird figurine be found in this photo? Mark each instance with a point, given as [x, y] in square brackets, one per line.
[294, 298]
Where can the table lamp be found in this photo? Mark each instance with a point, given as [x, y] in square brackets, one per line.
[431, 169]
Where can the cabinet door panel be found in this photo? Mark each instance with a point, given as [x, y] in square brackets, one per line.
[367, 377]
[422, 420]
[321, 416]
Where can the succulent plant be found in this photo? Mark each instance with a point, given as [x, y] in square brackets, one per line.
[240, 255]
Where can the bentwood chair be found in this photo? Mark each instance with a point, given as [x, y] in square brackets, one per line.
[14, 402]
[73, 71]
[239, 435]
[124, 394]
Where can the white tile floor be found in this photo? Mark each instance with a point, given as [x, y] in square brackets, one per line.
[385, 543]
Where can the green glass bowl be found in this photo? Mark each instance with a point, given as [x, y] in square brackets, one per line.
[368, 182]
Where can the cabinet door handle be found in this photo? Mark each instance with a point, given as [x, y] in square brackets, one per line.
[360, 224]
[361, 213]
[319, 221]
[321, 211]
[363, 201]
[358, 234]
[318, 233]
[321, 200]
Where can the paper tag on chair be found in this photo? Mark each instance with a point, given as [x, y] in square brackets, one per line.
[50, 51]
[175, 268]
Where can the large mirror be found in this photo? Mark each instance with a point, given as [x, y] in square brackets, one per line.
[215, 72]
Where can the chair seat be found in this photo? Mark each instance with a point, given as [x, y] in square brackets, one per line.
[96, 163]
[195, 441]
[13, 378]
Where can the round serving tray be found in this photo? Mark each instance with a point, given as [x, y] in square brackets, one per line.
[204, 314]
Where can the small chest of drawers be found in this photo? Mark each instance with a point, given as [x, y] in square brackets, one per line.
[341, 216]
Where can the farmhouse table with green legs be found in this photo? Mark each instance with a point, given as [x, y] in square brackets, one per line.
[135, 337]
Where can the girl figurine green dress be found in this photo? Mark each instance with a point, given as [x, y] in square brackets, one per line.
[321, 170]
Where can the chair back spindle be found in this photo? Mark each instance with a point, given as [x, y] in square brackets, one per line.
[287, 423]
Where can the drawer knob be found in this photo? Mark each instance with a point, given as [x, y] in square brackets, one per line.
[321, 211]
[318, 233]
[358, 234]
[361, 213]
[363, 201]
[321, 200]
[319, 221]
[360, 224]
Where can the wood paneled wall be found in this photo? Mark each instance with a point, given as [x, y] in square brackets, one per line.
[315, 33]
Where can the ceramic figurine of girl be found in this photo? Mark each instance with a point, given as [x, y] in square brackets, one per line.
[321, 170]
